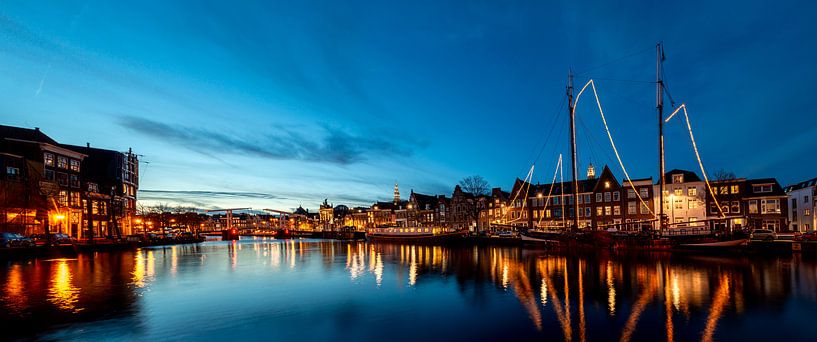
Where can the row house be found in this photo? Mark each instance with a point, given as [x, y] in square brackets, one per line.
[465, 209]
[602, 203]
[496, 211]
[110, 180]
[684, 199]
[802, 204]
[748, 203]
[42, 185]
[80, 191]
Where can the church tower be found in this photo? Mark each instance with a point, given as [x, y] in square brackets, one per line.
[396, 194]
[591, 171]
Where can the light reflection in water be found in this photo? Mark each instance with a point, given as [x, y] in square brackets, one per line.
[62, 292]
[15, 296]
[613, 294]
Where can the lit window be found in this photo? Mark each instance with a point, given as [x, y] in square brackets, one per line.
[761, 188]
[48, 159]
[616, 210]
[12, 172]
[679, 192]
[807, 212]
[692, 192]
[645, 192]
[632, 207]
[678, 178]
[598, 197]
[770, 206]
[630, 193]
[753, 207]
[62, 162]
[74, 165]
[735, 189]
[735, 207]
[608, 210]
[724, 190]
[607, 196]
[599, 211]
[692, 204]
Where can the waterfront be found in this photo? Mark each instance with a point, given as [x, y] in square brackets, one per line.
[318, 289]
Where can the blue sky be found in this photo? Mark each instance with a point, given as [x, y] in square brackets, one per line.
[277, 104]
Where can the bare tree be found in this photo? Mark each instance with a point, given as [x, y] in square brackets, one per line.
[723, 175]
[475, 185]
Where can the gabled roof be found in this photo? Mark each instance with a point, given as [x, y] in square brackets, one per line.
[777, 190]
[423, 200]
[26, 134]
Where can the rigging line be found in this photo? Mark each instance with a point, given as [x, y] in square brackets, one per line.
[697, 155]
[552, 127]
[550, 191]
[619, 80]
[616, 60]
[562, 192]
[610, 136]
[529, 175]
[592, 141]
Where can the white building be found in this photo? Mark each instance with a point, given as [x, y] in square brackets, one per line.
[684, 198]
[802, 205]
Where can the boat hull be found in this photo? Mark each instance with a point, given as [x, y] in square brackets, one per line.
[418, 238]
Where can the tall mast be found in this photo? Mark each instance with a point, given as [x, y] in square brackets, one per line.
[659, 102]
[570, 108]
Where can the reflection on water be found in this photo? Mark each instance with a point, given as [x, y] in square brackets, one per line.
[62, 292]
[367, 291]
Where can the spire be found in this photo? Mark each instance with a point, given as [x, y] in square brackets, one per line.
[396, 193]
[591, 171]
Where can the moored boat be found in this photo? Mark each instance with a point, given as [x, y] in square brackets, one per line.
[414, 235]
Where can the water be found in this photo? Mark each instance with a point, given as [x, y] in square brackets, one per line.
[322, 290]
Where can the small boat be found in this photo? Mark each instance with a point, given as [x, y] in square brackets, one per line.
[717, 244]
[414, 235]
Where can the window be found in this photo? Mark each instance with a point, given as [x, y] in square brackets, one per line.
[713, 209]
[608, 211]
[607, 196]
[679, 204]
[770, 206]
[587, 212]
[692, 191]
[62, 162]
[692, 204]
[555, 200]
[805, 199]
[753, 207]
[725, 208]
[632, 207]
[570, 200]
[644, 209]
[735, 189]
[92, 187]
[63, 198]
[75, 201]
[630, 193]
[581, 199]
[724, 190]
[48, 159]
[62, 179]
[735, 207]
[599, 211]
[794, 203]
[49, 174]
[616, 196]
[679, 192]
[645, 192]
[807, 212]
[616, 210]
[678, 178]
[74, 165]
[760, 188]
[771, 224]
[74, 180]
[587, 198]
[598, 197]
[12, 172]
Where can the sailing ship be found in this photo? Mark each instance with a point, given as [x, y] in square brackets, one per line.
[596, 236]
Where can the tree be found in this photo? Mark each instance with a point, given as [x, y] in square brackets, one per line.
[475, 185]
[723, 175]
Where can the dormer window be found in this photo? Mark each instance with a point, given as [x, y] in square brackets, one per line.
[678, 178]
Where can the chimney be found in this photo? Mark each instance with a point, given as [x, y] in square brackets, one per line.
[37, 129]
[88, 145]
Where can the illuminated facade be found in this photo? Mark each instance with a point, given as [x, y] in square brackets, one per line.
[802, 205]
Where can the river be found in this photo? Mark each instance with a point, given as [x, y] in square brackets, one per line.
[264, 289]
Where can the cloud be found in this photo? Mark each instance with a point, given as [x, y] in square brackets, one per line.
[335, 146]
